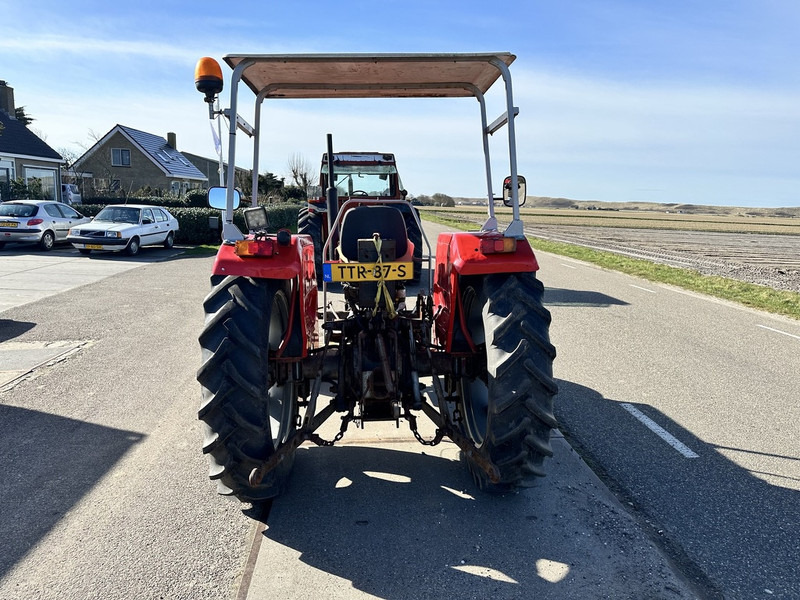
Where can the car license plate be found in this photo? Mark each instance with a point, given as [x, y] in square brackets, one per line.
[8, 224]
[367, 271]
[93, 246]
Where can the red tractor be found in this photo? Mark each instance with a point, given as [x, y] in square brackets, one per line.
[472, 354]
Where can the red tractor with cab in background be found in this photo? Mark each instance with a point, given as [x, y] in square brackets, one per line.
[369, 177]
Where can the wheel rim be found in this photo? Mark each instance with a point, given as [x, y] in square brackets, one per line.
[280, 396]
[474, 389]
[170, 240]
[133, 248]
[47, 240]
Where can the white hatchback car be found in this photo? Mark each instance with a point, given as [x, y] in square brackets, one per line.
[42, 222]
[125, 227]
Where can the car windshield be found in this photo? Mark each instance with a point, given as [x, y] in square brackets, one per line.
[17, 210]
[118, 214]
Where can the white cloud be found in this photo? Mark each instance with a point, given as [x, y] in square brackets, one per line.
[578, 136]
[659, 136]
[80, 45]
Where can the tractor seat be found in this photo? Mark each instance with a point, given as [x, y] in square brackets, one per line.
[363, 221]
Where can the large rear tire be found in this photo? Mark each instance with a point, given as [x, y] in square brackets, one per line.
[310, 223]
[246, 411]
[506, 402]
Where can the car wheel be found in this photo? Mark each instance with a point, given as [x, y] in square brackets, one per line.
[133, 247]
[47, 241]
[84, 251]
[170, 241]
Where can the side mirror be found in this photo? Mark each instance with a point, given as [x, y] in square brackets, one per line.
[147, 221]
[507, 197]
[218, 198]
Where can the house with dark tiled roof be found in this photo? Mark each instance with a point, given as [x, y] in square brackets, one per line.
[24, 156]
[210, 168]
[127, 160]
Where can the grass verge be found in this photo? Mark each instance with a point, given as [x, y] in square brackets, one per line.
[755, 296]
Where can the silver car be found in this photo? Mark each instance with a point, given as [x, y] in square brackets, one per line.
[38, 221]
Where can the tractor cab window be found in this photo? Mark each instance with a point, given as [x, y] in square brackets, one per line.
[365, 180]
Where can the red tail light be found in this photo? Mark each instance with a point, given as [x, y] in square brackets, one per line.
[254, 247]
[32, 222]
[495, 245]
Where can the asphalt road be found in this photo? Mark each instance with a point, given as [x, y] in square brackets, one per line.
[685, 406]
[723, 491]
[105, 492]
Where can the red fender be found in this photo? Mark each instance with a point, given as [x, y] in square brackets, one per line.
[459, 253]
[294, 261]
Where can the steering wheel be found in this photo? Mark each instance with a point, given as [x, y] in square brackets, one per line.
[359, 193]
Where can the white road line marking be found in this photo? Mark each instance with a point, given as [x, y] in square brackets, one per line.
[569, 266]
[641, 288]
[797, 337]
[659, 431]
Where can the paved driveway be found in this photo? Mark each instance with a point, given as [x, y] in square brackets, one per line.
[28, 274]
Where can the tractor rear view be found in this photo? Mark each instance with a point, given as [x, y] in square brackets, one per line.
[468, 349]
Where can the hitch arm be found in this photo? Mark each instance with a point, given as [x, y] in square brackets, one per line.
[289, 446]
[465, 445]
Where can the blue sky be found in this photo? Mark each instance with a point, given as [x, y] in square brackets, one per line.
[620, 100]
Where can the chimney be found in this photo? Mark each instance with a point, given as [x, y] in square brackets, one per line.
[172, 141]
[7, 99]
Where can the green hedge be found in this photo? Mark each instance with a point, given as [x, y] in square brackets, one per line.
[194, 222]
[192, 198]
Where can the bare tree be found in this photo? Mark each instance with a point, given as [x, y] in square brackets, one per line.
[302, 171]
[72, 174]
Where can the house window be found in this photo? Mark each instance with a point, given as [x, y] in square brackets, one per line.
[41, 182]
[6, 177]
[120, 157]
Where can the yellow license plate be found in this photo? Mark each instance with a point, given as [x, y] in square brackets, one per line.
[367, 271]
[93, 246]
[8, 224]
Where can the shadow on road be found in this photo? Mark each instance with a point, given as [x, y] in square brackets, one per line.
[9, 329]
[564, 297]
[738, 528]
[400, 524]
[57, 461]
